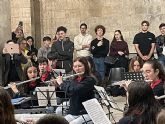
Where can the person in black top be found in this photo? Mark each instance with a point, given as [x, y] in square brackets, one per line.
[144, 42]
[99, 48]
[32, 51]
[143, 107]
[160, 44]
[12, 70]
[64, 47]
[79, 89]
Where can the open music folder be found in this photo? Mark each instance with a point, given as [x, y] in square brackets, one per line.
[96, 112]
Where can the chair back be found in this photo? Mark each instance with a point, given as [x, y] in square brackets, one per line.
[116, 74]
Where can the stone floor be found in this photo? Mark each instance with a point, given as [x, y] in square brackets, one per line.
[117, 114]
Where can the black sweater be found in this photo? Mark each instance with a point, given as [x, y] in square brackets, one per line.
[99, 51]
[79, 92]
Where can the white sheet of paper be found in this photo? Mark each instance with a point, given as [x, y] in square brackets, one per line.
[95, 112]
[42, 100]
[24, 117]
[103, 94]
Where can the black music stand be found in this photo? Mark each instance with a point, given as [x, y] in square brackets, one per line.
[107, 101]
[134, 76]
[45, 97]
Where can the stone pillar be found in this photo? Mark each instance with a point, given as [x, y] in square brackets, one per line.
[5, 26]
[35, 22]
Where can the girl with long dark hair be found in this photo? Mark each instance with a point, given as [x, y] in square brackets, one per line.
[119, 50]
[143, 107]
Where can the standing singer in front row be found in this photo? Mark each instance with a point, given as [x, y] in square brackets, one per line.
[79, 89]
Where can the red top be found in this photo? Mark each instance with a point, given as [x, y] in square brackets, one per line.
[153, 85]
[44, 76]
[32, 84]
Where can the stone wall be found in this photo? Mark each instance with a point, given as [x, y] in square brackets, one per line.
[5, 26]
[5, 23]
[21, 11]
[125, 15]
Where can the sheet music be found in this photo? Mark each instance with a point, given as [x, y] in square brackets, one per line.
[18, 101]
[42, 100]
[96, 112]
[103, 94]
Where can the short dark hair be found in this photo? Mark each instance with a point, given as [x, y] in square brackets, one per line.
[52, 119]
[61, 28]
[162, 25]
[101, 27]
[46, 38]
[52, 55]
[42, 60]
[83, 24]
[148, 24]
[9, 41]
[30, 37]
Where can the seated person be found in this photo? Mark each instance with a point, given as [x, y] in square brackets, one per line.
[44, 70]
[52, 119]
[135, 64]
[80, 89]
[143, 107]
[155, 76]
[30, 72]
[7, 108]
[52, 60]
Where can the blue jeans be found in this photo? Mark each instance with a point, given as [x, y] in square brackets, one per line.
[161, 59]
[100, 66]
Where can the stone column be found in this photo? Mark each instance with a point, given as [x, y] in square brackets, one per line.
[5, 27]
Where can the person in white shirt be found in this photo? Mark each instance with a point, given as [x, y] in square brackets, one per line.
[82, 42]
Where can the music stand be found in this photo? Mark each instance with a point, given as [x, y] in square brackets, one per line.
[109, 102]
[46, 96]
[134, 76]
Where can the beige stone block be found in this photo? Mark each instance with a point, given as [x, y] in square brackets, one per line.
[140, 10]
[60, 14]
[26, 12]
[72, 13]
